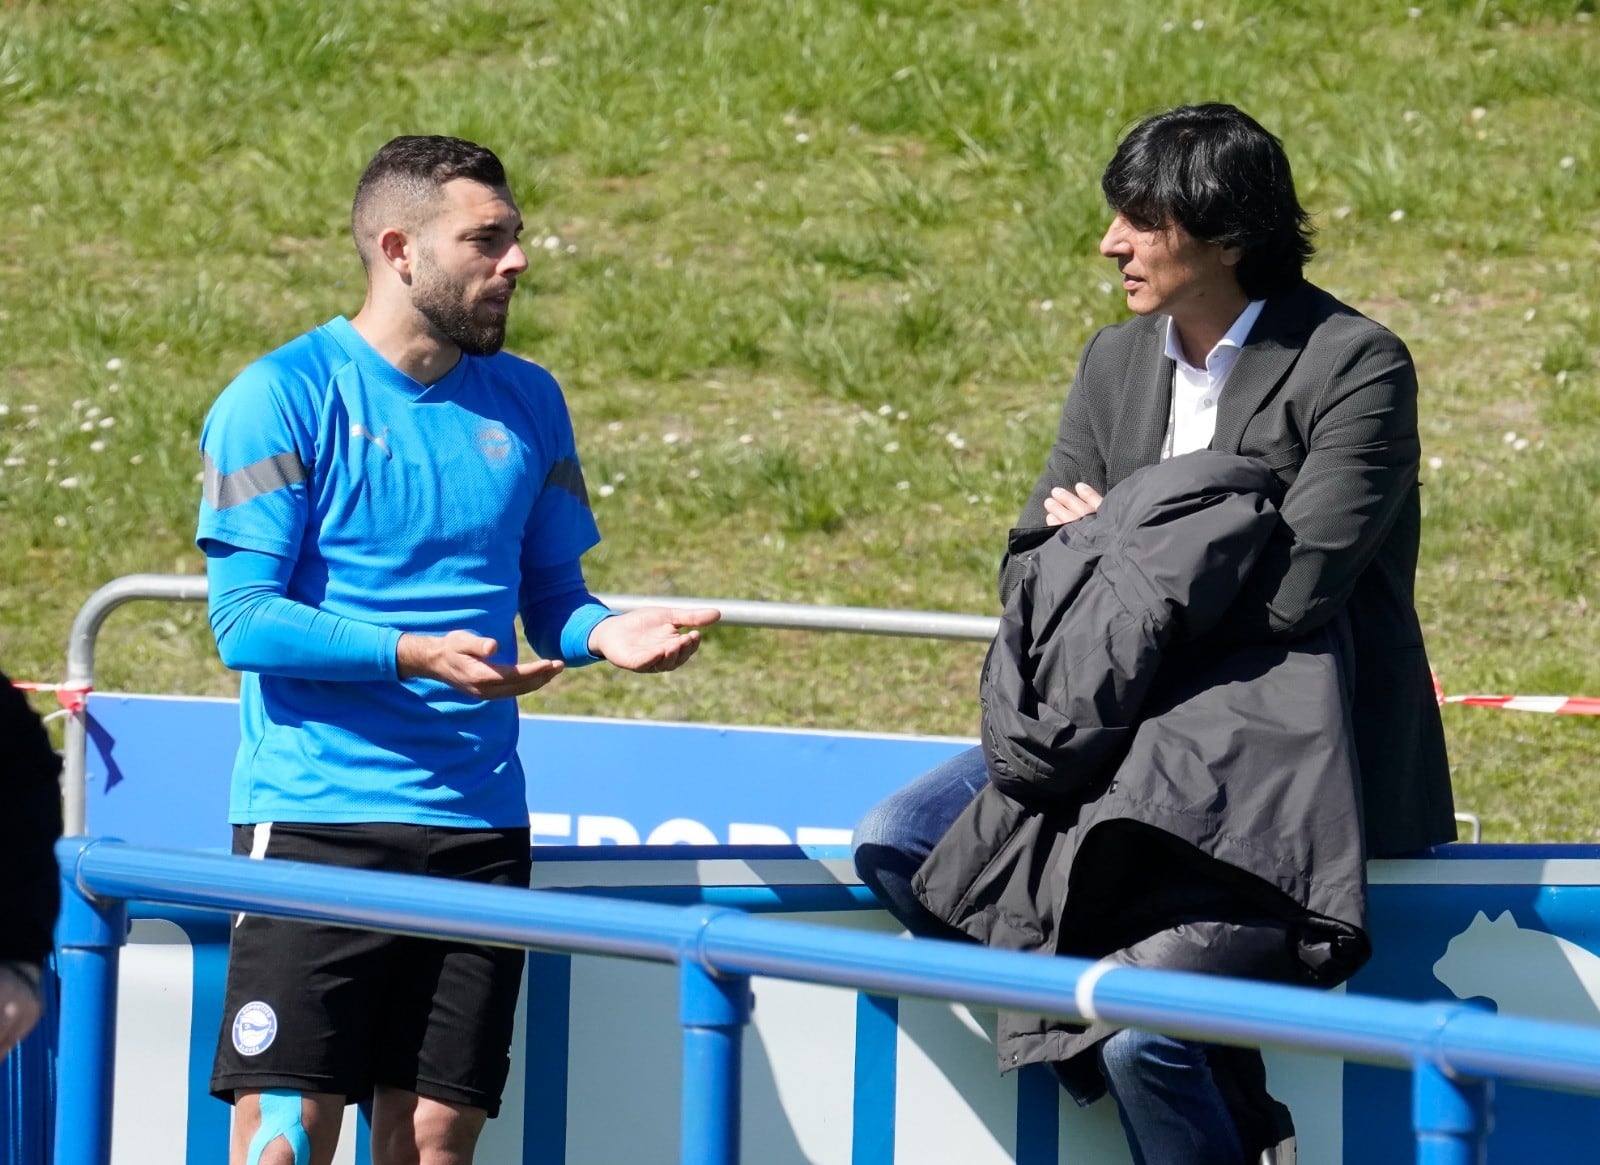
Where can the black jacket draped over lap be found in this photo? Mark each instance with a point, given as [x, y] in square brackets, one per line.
[1143, 772]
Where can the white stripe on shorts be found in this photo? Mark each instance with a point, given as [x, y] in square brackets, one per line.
[258, 850]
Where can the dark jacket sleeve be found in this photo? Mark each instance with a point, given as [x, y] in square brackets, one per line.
[1359, 470]
[30, 823]
[1074, 457]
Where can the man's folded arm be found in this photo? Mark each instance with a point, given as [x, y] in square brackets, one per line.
[1358, 473]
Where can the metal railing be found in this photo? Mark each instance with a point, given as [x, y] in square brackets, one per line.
[81, 642]
[1454, 1051]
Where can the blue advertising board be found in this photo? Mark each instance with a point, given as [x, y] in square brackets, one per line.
[158, 772]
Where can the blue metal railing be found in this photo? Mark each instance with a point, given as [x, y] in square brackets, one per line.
[1454, 1050]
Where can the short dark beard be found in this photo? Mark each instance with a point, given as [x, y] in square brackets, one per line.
[442, 301]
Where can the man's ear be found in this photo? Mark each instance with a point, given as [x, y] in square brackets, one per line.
[397, 250]
[1231, 256]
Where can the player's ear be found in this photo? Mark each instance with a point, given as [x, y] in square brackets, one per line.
[397, 250]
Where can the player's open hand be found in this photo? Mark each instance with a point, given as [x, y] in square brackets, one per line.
[651, 639]
[464, 661]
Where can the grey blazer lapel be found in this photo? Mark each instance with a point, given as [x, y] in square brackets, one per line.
[1273, 346]
[1148, 406]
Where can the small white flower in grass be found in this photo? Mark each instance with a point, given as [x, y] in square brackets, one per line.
[955, 440]
[619, 478]
[777, 414]
[552, 243]
[107, 422]
[1105, 288]
[60, 521]
[5, 410]
[86, 427]
[1046, 304]
[16, 462]
[53, 462]
[30, 408]
[1341, 212]
[670, 438]
[885, 410]
[1568, 162]
[1530, 313]
[1561, 377]
[1520, 444]
[136, 459]
[97, 446]
[1409, 116]
[747, 439]
[1509, 437]
[78, 404]
[1414, 13]
[901, 415]
[1197, 25]
[693, 474]
[200, 476]
[94, 411]
[1479, 113]
[1436, 463]
[902, 486]
[114, 364]
[113, 387]
[1396, 215]
[972, 499]
[614, 427]
[802, 137]
[1168, 25]
[606, 490]
[68, 483]
[891, 447]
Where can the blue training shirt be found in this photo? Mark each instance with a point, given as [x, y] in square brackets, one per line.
[408, 507]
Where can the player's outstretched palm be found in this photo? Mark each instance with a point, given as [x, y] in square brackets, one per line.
[651, 639]
[464, 661]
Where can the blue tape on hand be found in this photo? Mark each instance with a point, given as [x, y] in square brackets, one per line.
[280, 1117]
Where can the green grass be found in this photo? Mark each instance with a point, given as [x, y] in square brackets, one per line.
[822, 271]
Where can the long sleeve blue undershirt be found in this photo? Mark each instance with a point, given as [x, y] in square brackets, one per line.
[259, 628]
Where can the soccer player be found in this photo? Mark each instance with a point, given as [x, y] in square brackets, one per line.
[382, 496]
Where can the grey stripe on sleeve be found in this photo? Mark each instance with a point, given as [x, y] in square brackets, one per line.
[566, 474]
[225, 490]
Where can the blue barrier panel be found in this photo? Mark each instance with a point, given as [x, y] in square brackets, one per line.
[590, 781]
[1459, 1044]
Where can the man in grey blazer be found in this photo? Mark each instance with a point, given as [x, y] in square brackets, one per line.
[1231, 348]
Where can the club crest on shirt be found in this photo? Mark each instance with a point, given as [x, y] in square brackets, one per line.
[494, 443]
[254, 1028]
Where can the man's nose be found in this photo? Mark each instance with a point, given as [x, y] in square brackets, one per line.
[1115, 241]
[515, 261]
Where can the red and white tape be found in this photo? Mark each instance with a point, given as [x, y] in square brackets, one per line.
[72, 697]
[1562, 705]
[1565, 705]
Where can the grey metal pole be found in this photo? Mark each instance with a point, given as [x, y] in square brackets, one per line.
[80, 672]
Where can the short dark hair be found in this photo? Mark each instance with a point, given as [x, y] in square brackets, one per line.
[404, 179]
[1213, 170]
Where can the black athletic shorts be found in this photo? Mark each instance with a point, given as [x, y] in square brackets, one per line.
[317, 1008]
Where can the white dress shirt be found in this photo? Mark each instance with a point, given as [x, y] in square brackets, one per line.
[1195, 391]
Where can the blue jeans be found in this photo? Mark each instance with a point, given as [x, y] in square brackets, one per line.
[897, 835]
[1171, 1108]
